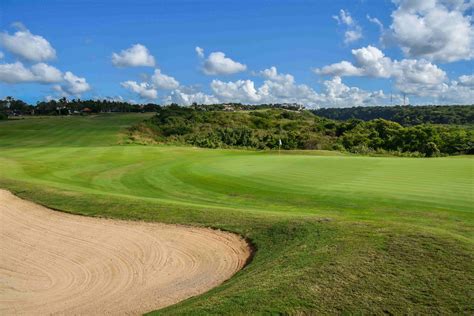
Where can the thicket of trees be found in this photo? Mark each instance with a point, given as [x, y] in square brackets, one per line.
[64, 106]
[405, 115]
[263, 129]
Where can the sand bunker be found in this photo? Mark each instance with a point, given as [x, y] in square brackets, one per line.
[52, 262]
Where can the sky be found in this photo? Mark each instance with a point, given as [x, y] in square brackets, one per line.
[324, 53]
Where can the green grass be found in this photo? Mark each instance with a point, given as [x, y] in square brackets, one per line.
[333, 233]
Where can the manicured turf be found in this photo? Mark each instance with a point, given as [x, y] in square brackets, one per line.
[334, 233]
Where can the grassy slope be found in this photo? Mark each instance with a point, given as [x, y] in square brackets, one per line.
[334, 233]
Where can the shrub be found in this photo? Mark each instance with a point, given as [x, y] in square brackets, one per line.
[263, 129]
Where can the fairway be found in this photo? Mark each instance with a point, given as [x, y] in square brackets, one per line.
[333, 232]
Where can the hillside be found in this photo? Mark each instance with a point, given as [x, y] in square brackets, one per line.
[405, 115]
[288, 129]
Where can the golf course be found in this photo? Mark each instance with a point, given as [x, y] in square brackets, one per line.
[330, 232]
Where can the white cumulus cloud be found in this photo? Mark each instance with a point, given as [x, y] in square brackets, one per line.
[72, 85]
[143, 89]
[26, 45]
[218, 64]
[46, 74]
[282, 88]
[137, 55]
[409, 74]
[39, 73]
[15, 73]
[434, 29]
[180, 97]
[241, 90]
[162, 81]
[343, 68]
[338, 94]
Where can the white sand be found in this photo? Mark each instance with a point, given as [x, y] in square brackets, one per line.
[56, 263]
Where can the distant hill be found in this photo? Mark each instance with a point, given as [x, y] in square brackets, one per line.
[405, 115]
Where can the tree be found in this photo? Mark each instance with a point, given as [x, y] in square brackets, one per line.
[431, 150]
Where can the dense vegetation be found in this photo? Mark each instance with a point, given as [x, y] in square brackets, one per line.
[264, 129]
[402, 130]
[63, 106]
[335, 234]
[405, 115]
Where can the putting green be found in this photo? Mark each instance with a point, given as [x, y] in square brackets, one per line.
[296, 207]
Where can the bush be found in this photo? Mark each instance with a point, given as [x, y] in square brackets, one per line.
[263, 129]
[431, 150]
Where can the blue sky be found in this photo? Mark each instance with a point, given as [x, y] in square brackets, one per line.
[305, 42]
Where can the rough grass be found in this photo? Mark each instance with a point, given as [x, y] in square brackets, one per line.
[334, 234]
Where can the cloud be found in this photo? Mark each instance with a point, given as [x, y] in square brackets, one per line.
[344, 18]
[276, 88]
[200, 51]
[26, 45]
[417, 72]
[72, 85]
[466, 81]
[39, 73]
[343, 68]
[67, 83]
[162, 81]
[353, 30]
[35, 48]
[352, 36]
[460, 91]
[217, 64]
[75, 85]
[180, 97]
[143, 89]
[372, 62]
[281, 88]
[337, 94]
[376, 22]
[242, 90]
[15, 73]
[409, 74]
[434, 29]
[50, 98]
[273, 75]
[414, 77]
[149, 89]
[46, 74]
[135, 56]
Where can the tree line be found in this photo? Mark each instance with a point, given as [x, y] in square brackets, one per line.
[405, 115]
[63, 106]
[272, 128]
[15, 107]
